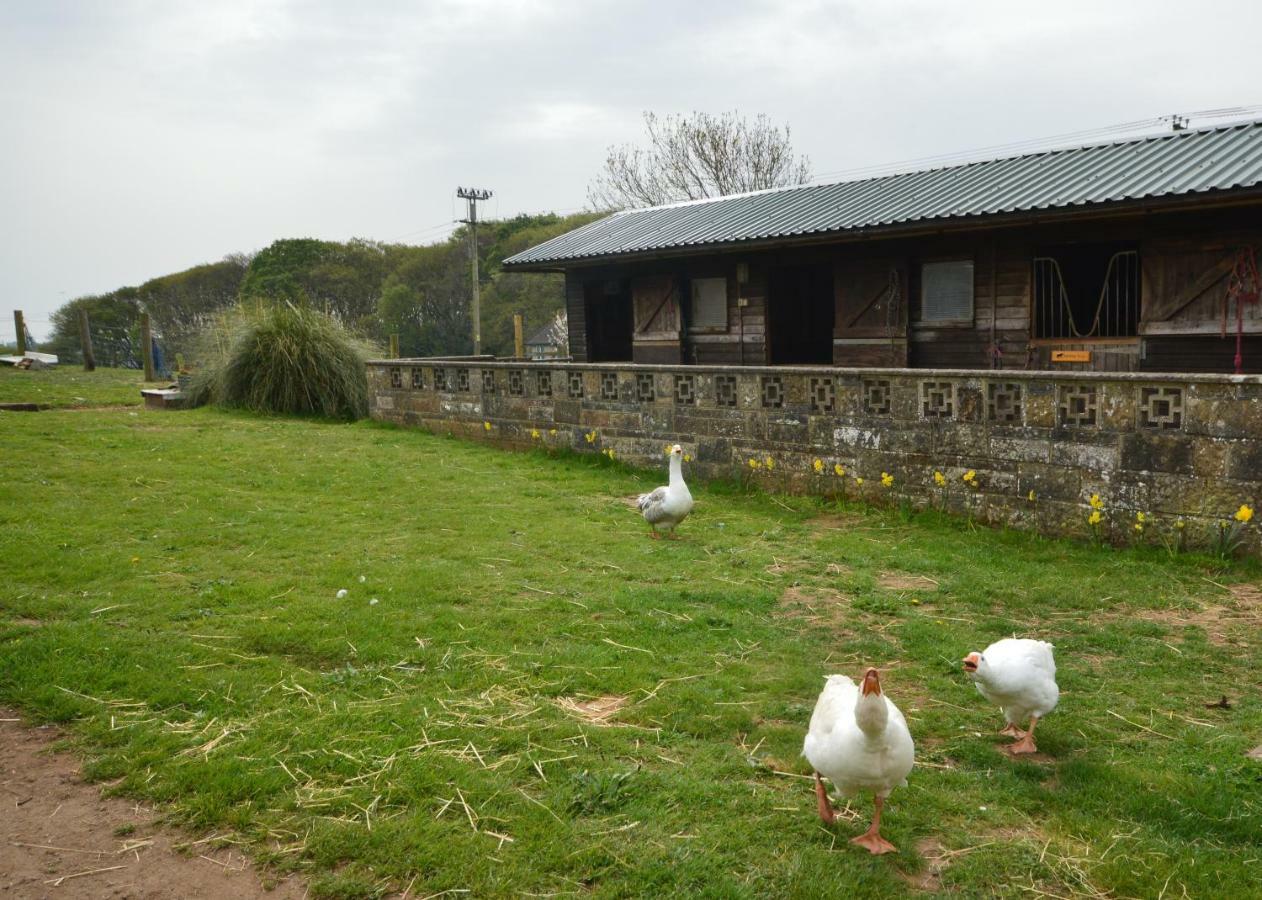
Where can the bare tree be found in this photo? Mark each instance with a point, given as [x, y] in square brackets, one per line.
[701, 155]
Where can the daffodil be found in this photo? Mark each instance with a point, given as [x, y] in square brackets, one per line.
[970, 476]
[1096, 502]
[1244, 514]
[753, 463]
[534, 433]
[552, 432]
[938, 478]
[1032, 496]
[1180, 524]
[858, 480]
[1140, 518]
[687, 457]
[666, 450]
[486, 425]
[769, 463]
[818, 466]
[1094, 518]
[838, 470]
[887, 480]
[1139, 526]
[590, 437]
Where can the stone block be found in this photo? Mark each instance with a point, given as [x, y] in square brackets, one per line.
[1094, 453]
[1156, 452]
[1049, 482]
[959, 439]
[1116, 407]
[1224, 418]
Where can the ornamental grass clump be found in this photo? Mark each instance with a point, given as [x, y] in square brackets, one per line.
[289, 359]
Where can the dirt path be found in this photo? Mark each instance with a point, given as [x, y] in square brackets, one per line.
[60, 839]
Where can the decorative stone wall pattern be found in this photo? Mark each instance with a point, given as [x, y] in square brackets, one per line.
[937, 399]
[1161, 408]
[645, 390]
[1004, 402]
[462, 380]
[1172, 447]
[685, 390]
[1078, 406]
[725, 390]
[876, 396]
[823, 395]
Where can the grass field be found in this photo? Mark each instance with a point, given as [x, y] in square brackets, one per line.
[70, 386]
[170, 587]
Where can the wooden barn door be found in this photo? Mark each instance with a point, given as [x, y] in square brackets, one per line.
[870, 328]
[657, 325]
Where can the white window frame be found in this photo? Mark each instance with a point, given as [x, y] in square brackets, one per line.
[717, 288]
[923, 318]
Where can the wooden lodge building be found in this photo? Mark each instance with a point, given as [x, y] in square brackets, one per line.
[1137, 255]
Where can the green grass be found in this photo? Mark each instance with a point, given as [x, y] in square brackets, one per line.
[70, 386]
[170, 584]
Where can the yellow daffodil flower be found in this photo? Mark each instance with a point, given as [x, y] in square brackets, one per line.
[590, 436]
[818, 466]
[1032, 496]
[1139, 526]
[486, 425]
[687, 457]
[1140, 518]
[534, 433]
[552, 431]
[1094, 518]
[838, 470]
[769, 463]
[858, 480]
[1096, 502]
[1244, 514]
[753, 463]
[970, 476]
[939, 479]
[887, 480]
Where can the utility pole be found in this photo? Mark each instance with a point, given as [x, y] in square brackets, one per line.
[472, 196]
[19, 325]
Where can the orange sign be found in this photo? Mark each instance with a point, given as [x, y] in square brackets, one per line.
[1071, 356]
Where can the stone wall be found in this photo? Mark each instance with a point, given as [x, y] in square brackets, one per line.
[1039, 444]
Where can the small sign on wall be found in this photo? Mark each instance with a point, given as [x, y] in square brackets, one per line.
[1071, 356]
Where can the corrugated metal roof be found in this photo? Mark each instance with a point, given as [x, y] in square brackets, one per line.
[1184, 162]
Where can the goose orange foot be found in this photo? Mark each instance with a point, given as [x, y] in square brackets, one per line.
[825, 808]
[874, 843]
[1012, 730]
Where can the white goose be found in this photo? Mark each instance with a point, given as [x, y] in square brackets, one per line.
[1018, 674]
[859, 740]
[665, 507]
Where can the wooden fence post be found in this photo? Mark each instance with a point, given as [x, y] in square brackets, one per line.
[394, 346]
[20, 324]
[146, 346]
[519, 348]
[85, 340]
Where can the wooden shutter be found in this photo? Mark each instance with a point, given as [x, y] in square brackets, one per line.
[655, 300]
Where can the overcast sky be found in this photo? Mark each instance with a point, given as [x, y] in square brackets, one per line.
[141, 138]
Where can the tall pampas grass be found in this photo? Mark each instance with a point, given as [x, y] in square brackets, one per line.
[284, 359]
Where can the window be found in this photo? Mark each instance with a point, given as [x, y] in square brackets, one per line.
[1086, 291]
[946, 291]
[709, 304]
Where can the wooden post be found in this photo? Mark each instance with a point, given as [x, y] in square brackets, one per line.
[20, 324]
[519, 349]
[394, 346]
[146, 346]
[85, 340]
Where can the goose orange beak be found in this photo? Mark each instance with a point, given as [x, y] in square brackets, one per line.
[871, 682]
[971, 661]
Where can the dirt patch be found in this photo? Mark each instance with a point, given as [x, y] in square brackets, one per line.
[821, 525]
[29, 623]
[817, 605]
[60, 838]
[902, 581]
[936, 859]
[1224, 625]
[837, 569]
[595, 710]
